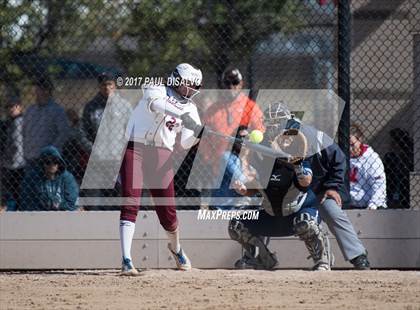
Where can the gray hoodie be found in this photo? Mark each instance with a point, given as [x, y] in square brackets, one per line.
[44, 125]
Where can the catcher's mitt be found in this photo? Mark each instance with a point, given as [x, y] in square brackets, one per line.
[293, 142]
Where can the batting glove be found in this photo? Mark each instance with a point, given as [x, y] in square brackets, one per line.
[191, 124]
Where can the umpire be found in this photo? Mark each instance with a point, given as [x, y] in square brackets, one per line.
[329, 168]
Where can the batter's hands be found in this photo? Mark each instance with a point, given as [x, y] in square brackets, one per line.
[189, 123]
[243, 132]
[333, 194]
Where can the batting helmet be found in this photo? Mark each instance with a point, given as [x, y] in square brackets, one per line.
[188, 76]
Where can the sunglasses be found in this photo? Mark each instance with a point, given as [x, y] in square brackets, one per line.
[229, 83]
[50, 161]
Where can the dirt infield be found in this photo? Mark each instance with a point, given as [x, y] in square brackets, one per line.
[212, 289]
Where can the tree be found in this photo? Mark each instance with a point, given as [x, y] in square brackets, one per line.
[150, 35]
[51, 28]
[209, 33]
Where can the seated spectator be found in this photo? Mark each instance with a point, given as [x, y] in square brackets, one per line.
[238, 168]
[398, 165]
[367, 175]
[233, 112]
[48, 186]
[12, 161]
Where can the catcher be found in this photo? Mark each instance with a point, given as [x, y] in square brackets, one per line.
[289, 205]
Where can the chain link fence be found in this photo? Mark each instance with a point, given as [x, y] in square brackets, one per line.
[69, 54]
[384, 80]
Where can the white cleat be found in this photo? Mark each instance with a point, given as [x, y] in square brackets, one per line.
[321, 266]
[181, 259]
[128, 268]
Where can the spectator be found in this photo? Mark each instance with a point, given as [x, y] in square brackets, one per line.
[74, 152]
[233, 112]
[110, 112]
[237, 168]
[367, 175]
[48, 185]
[45, 123]
[94, 109]
[13, 162]
[398, 165]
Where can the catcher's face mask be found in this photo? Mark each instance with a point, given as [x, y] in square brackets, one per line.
[274, 129]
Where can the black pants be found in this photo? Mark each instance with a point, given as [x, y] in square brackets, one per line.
[11, 180]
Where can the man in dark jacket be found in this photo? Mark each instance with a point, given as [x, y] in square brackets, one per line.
[112, 110]
[329, 168]
[12, 160]
[48, 186]
[94, 109]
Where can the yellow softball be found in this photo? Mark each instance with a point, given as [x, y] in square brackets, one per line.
[256, 136]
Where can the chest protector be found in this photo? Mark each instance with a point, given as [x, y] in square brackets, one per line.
[282, 197]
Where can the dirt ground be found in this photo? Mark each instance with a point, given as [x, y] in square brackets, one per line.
[211, 289]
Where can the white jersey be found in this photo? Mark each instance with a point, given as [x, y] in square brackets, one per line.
[367, 179]
[154, 128]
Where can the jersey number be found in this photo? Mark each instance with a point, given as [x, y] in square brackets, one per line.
[171, 123]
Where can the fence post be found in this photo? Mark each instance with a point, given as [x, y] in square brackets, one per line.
[344, 49]
[415, 175]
